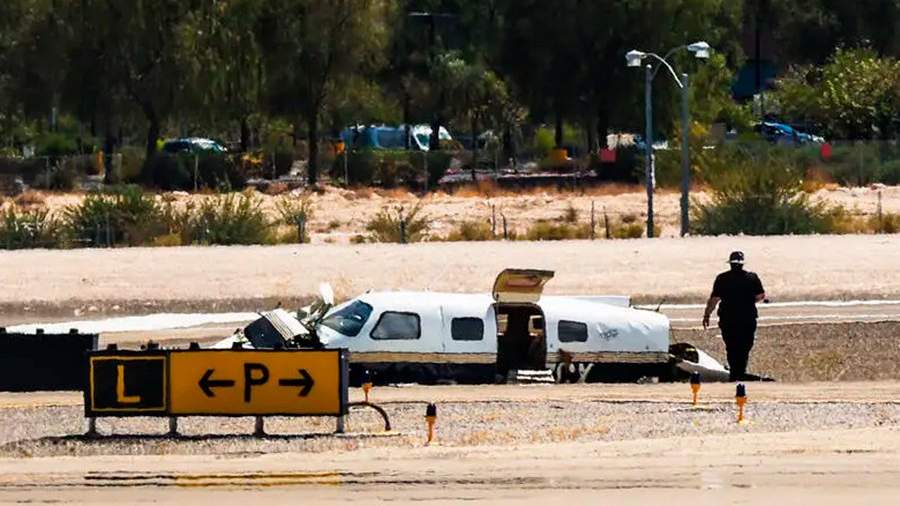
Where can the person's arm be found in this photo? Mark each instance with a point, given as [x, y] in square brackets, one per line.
[714, 298]
[710, 306]
[760, 291]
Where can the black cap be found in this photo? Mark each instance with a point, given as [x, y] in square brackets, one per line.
[695, 378]
[736, 257]
[741, 390]
[431, 410]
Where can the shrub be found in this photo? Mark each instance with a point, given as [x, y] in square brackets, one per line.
[125, 216]
[281, 160]
[55, 145]
[888, 223]
[389, 168]
[177, 172]
[132, 163]
[632, 230]
[297, 213]
[27, 228]
[758, 195]
[548, 231]
[570, 215]
[471, 231]
[228, 219]
[398, 225]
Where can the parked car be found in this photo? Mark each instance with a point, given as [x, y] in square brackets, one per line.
[193, 145]
[782, 133]
[389, 137]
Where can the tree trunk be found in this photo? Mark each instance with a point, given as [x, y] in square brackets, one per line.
[312, 165]
[434, 143]
[474, 126]
[591, 134]
[407, 141]
[602, 126]
[559, 130]
[509, 148]
[245, 134]
[152, 130]
[109, 145]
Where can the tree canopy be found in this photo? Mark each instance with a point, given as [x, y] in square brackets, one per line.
[177, 67]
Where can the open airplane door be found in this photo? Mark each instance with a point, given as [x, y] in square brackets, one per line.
[519, 286]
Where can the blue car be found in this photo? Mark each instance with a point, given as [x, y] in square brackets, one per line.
[782, 133]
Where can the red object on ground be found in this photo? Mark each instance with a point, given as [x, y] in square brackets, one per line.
[825, 151]
[608, 155]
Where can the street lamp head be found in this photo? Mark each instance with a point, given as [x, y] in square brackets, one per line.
[634, 58]
[700, 49]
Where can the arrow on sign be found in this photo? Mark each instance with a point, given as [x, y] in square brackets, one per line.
[207, 383]
[305, 381]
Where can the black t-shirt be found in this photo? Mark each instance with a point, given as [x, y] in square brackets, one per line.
[737, 290]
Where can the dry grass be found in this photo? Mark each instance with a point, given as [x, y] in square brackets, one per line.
[522, 207]
[30, 199]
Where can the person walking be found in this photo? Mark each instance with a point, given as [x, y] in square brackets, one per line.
[736, 292]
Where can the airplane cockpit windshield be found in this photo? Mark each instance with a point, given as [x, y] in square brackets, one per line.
[350, 319]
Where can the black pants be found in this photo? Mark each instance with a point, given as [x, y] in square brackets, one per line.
[738, 337]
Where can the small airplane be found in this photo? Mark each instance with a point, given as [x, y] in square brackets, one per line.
[513, 332]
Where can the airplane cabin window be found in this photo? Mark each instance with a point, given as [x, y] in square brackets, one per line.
[394, 325]
[467, 329]
[572, 332]
[350, 319]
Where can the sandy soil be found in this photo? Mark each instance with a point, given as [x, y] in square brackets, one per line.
[341, 214]
[253, 277]
[635, 444]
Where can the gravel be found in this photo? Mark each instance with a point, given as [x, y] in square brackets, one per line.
[815, 351]
[48, 431]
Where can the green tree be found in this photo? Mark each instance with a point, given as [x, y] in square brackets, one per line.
[221, 58]
[853, 96]
[311, 47]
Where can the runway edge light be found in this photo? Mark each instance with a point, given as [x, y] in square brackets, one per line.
[695, 386]
[740, 398]
[366, 383]
[430, 418]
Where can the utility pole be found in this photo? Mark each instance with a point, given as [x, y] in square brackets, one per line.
[685, 155]
[649, 172]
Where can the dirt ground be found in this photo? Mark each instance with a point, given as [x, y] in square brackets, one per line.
[143, 280]
[819, 443]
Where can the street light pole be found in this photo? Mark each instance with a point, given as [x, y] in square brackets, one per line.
[649, 173]
[685, 155]
[634, 58]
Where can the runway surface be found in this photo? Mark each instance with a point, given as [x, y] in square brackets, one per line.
[204, 327]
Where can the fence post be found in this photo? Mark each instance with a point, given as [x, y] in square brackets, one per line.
[196, 169]
[606, 223]
[880, 215]
[493, 220]
[593, 221]
[402, 227]
[346, 165]
[301, 230]
[505, 232]
[108, 237]
[427, 175]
